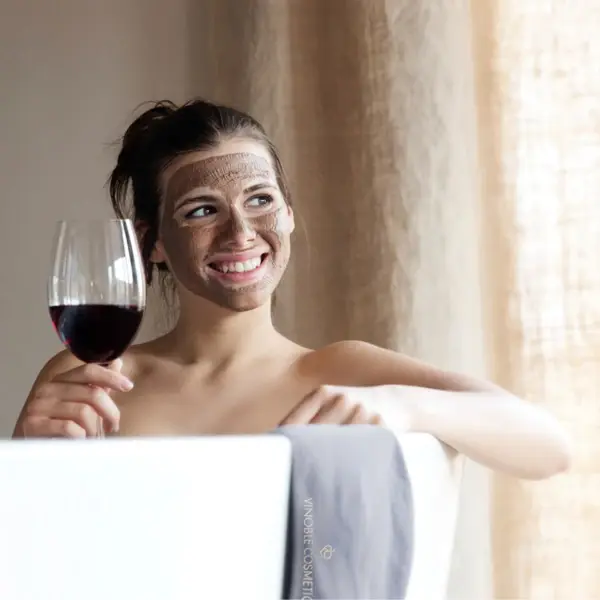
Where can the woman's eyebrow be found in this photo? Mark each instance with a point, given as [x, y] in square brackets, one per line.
[194, 195]
[259, 186]
[207, 193]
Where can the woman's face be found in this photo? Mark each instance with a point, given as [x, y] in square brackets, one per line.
[224, 226]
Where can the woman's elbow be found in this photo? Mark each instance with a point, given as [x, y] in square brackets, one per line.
[557, 457]
[564, 454]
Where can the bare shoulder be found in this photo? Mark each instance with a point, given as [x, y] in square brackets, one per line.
[356, 363]
[141, 358]
[59, 363]
[359, 363]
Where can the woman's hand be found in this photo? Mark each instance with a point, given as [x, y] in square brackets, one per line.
[74, 404]
[340, 405]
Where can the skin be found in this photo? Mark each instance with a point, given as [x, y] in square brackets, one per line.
[225, 369]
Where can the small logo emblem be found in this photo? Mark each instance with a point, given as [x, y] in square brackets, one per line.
[327, 552]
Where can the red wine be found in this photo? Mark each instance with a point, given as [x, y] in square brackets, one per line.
[96, 333]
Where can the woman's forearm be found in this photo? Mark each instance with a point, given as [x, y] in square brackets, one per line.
[493, 428]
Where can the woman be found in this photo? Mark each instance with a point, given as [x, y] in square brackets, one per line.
[212, 209]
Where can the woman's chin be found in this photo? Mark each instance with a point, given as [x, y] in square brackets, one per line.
[245, 302]
[236, 299]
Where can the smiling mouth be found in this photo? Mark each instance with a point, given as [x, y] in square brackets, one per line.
[239, 267]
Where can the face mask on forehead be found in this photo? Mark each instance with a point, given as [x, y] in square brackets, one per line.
[218, 172]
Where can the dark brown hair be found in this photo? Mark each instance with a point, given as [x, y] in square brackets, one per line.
[158, 136]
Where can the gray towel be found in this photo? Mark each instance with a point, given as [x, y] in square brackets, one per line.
[350, 532]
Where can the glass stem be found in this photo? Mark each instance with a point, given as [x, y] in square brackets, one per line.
[100, 428]
[100, 431]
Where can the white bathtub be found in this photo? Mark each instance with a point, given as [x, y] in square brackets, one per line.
[435, 472]
[120, 471]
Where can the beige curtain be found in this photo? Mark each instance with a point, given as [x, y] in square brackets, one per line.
[539, 76]
[445, 165]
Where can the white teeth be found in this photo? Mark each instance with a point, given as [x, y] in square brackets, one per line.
[239, 267]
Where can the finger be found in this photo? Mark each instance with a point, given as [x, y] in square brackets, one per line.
[80, 413]
[362, 416]
[359, 416]
[43, 427]
[55, 394]
[336, 411]
[377, 419]
[308, 408]
[116, 365]
[97, 375]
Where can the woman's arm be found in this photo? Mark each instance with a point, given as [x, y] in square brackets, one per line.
[477, 418]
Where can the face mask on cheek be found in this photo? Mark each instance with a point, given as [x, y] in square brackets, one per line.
[188, 248]
[275, 229]
[185, 249]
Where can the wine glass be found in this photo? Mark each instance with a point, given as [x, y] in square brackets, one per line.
[96, 289]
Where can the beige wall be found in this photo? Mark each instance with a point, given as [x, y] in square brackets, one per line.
[71, 73]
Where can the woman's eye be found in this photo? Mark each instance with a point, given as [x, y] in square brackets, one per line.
[201, 211]
[259, 201]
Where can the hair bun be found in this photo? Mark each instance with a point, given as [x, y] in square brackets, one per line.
[139, 133]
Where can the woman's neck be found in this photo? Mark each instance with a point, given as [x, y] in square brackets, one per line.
[210, 334]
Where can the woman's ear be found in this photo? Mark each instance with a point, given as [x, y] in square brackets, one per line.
[157, 255]
[291, 219]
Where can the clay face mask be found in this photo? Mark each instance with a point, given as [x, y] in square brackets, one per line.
[191, 236]
[220, 173]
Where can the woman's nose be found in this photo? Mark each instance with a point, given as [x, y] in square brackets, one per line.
[240, 229]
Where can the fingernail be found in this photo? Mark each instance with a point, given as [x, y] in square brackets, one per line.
[114, 429]
[127, 385]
